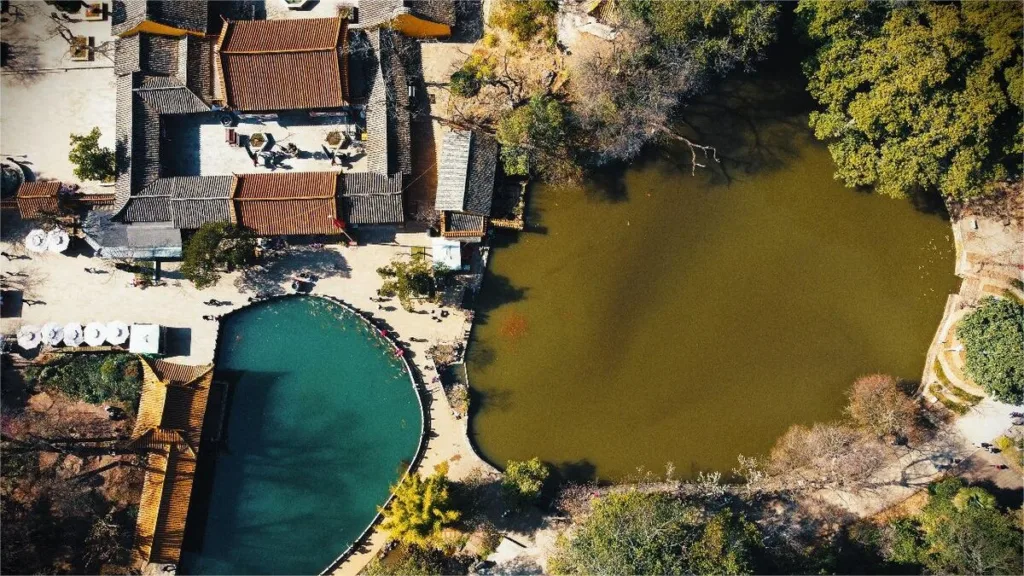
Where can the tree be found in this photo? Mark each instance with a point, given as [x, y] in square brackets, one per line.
[993, 337]
[407, 278]
[828, 453]
[878, 405]
[522, 482]
[727, 545]
[627, 533]
[664, 52]
[960, 531]
[918, 95]
[420, 509]
[91, 161]
[214, 247]
[537, 137]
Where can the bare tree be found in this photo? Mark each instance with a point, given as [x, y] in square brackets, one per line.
[105, 48]
[878, 406]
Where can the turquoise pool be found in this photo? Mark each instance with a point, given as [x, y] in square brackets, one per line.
[322, 419]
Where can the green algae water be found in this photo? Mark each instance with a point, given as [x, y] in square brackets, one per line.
[651, 316]
[322, 419]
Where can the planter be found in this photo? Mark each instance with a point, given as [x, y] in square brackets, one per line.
[258, 139]
[333, 138]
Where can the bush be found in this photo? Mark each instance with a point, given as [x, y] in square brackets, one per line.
[421, 509]
[407, 278]
[464, 83]
[522, 482]
[525, 19]
[95, 378]
[993, 336]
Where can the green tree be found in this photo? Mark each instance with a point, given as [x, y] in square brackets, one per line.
[420, 509]
[918, 95]
[522, 482]
[993, 337]
[214, 247]
[407, 278]
[727, 545]
[464, 83]
[92, 162]
[536, 137]
[627, 533]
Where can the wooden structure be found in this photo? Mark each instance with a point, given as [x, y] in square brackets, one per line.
[168, 428]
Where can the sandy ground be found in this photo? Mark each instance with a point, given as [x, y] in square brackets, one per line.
[66, 292]
[45, 96]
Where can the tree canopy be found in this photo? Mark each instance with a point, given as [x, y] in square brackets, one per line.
[523, 481]
[536, 137]
[407, 278]
[92, 162]
[421, 509]
[918, 95]
[216, 246]
[993, 338]
[879, 406]
[959, 531]
[654, 533]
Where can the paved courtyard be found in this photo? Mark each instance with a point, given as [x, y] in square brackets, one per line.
[45, 95]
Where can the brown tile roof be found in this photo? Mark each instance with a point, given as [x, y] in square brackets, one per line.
[168, 427]
[462, 225]
[297, 203]
[35, 198]
[284, 64]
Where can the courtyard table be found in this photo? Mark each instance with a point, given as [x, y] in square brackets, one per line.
[36, 240]
[53, 333]
[95, 334]
[29, 337]
[73, 334]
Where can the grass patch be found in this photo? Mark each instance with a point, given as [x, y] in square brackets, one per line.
[964, 395]
[1009, 295]
[93, 378]
[940, 372]
[951, 405]
[1012, 451]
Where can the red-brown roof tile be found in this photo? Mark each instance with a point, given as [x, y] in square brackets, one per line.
[288, 203]
[283, 35]
[286, 185]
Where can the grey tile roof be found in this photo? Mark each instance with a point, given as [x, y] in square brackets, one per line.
[113, 239]
[376, 12]
[462, 222]
[377, 117]
[147, 209]
[452, 170]
[369, 198]
[179, 100]
[197, 200]
[185, 14]
[388, 124]
[127, 55]
[483, 164]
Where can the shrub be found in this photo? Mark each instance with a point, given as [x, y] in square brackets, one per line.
[993, 336]
[421, 509]
[522, 482]
[95, 378]
[216, 246]
[407, 278]
[464, 83]
[525, 19]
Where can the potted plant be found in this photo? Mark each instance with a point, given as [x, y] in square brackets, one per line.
[257, 140]
[333, 138]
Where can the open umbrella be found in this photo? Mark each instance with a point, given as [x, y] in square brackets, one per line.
[73, 334]
[57, 240]
[117, 333]
[29, 337]
[95, 333]
[53, 333]
[36, 241]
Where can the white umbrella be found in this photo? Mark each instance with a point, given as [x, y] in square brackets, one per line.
[36, 241]
[29, 337]
[57, 240]
[73, 334]
[95, 333]
[117, 333]
[53, 333]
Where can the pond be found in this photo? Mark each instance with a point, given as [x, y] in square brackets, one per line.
[322, 419]
[651, 316]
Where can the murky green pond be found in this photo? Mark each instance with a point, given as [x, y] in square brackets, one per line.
[653, 317]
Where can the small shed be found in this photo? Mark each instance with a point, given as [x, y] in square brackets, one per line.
[447, 253]
[38, 198]
[144, 339]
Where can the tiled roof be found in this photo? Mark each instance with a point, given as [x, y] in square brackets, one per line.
[114, 239]
[169, 427]
[483, 164]
[191, 15]
[147, 209]
[376, 12]
[452, 170]
[284, 64]
[37, 198]
[297, 203]
[388, 124]
[372, 199]
[462, 225]
[197, 200]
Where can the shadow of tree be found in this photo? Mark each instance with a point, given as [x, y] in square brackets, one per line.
[269, 277]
